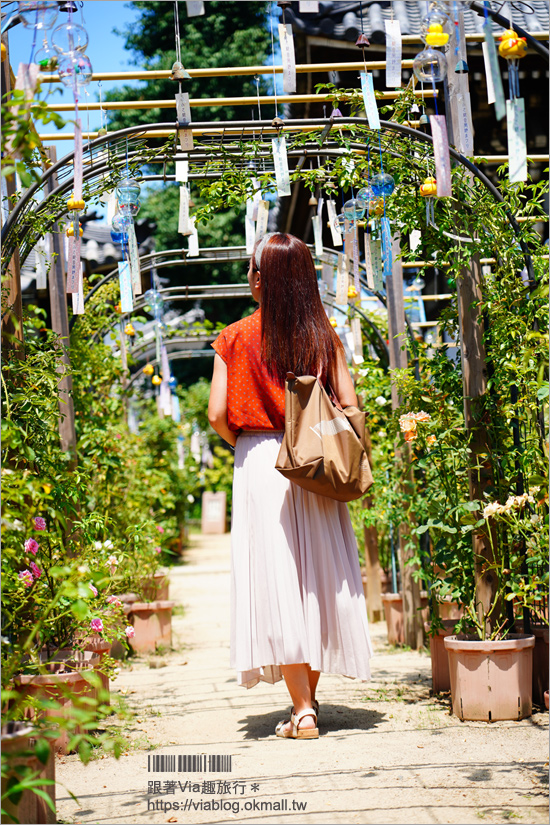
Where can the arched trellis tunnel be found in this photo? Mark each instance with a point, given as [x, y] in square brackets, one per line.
[109, 157]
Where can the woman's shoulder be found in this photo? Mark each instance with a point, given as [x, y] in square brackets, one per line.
[242, 328]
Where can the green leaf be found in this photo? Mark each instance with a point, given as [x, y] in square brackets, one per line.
[42, 750]
[79, 608]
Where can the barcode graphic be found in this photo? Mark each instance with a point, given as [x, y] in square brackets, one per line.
[189, 763]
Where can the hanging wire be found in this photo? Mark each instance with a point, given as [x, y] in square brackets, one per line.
[257, 79]
[102, 113]
[273, 58]
[177, 30]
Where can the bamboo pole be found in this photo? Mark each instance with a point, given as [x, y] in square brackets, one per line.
[201, 102]
[230, 71]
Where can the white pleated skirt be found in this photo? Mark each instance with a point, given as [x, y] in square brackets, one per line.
[296, 589]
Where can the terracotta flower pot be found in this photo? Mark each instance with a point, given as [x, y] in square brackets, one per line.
[32, 809]
[491, 680]
[95, 644]
[157, 587]
[450, 610]
[152, 623]
[546, 699]
[393, 612]
[67, 678]
[441, 680]
[540, 661]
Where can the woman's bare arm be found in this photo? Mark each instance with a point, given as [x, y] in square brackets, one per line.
[341, 381]
[217, 405]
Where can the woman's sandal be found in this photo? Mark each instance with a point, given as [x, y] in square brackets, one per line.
[295, 732]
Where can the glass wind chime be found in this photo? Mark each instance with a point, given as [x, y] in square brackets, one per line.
[69, 41]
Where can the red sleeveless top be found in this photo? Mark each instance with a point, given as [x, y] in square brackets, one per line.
[255, 401]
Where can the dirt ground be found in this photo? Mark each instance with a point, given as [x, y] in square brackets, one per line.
[388, 751]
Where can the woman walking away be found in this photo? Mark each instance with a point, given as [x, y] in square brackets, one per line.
[297, 604]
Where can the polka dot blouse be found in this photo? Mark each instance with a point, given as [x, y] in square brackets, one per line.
[255, 401]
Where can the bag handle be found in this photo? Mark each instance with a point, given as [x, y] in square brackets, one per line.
[290, 376]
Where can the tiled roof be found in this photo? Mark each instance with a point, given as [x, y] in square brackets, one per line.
[342, 20]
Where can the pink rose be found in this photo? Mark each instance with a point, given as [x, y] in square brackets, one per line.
[96, 625]
[32, 546]
[158, 549]
[39, 523]
[93, 589]
[35, 570]
[160, 529]
[130, 632]
[117, 435]
[113, 600]
[26, 577]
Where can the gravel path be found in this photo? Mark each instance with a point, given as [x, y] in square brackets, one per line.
[388, 752]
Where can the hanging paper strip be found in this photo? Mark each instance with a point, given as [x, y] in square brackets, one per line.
[77, 176]
[376, 258]
[327, 275]
[193, 247]
[342, 280]
[27, 79]
[164, 365]
[182, 171]
[320, 204]
[184, 226]
[194, 8]
[368, 262]
[491, 97]
[256, 198]
[348, 240]
[280, 160]
[369, 99]
[183, 108]
[441, 155]
[111, 207]
[43, 261]
[73, 268]
[355, 326]
[308, 6]
[165, 400]
[355, 259]
[134, 260]
[464, 140]
[78, 297]
[186, 139]
[176, 409]
[123, 353]
[335, 232]
[125, 281]
[261, 224]
[414, 239]
[318, 235]
[393, 54]
[517, 146]
[249, 227]
[493, 71]
[386, 247]
[286, 40]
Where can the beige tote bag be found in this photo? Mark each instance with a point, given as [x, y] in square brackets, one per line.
[323, 448]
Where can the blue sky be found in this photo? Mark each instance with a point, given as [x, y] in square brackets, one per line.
[105, 50]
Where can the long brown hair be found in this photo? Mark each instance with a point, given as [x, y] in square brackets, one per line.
[296, 333]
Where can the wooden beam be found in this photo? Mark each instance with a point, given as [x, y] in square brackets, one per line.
[474, 378]
[201, 102]
[232, 71]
